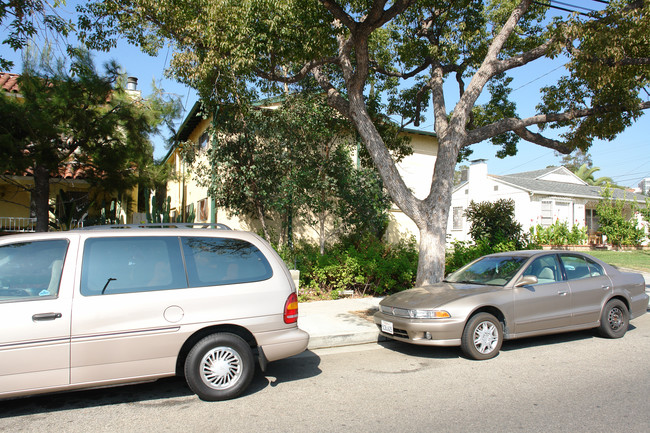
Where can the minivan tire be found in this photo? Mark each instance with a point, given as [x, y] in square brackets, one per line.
[219, 367]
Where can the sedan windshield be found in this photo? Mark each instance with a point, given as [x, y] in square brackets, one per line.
[492, 271]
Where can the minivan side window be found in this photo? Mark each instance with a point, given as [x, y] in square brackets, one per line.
[31, 270]
[131, 264]
[218, 261]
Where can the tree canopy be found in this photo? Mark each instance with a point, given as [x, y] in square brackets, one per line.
[70, 116]
[398, 55]
[28, 18]
[292, 161]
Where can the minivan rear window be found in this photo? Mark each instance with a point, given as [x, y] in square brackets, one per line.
[131, 264]
[218, 261]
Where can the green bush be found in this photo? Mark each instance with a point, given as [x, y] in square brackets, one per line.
[367, 266]
[558, 233]
[493, 229]
[620, 230]
[495, 223]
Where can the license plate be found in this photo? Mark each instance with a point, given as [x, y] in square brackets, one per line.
[387, 327]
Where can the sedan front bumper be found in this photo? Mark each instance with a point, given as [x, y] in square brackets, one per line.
[426, 332]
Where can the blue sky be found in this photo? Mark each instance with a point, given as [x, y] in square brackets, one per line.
[626, 159]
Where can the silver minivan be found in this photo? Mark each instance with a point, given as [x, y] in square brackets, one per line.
[89, 308]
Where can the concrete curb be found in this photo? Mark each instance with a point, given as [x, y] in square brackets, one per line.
[342, 322]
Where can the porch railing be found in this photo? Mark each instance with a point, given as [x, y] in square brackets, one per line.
[12, 224]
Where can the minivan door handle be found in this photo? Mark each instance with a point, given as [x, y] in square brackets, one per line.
[46, 316]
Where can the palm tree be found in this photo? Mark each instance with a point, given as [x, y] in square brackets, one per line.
[587, 174]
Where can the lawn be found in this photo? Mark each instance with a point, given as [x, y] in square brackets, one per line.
[637, 259]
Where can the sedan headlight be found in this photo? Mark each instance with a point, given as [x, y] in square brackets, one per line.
[429, 314]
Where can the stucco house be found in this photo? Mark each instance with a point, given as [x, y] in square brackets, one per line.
[541, 197]
[188, 198]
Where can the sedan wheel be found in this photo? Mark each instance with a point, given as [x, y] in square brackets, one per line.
[614, 319]
[219, 367]
[482, 337]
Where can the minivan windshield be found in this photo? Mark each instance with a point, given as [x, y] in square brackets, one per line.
[489, 270]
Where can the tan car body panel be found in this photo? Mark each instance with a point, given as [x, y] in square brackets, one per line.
[526, 311]
[118, 338]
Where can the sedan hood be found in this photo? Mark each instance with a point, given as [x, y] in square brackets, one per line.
[436, 295]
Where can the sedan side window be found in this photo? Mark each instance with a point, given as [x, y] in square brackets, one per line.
[31, 270]
[131, 264]
[575, 267]
[219, 261]
[595, 270]
[545, 268]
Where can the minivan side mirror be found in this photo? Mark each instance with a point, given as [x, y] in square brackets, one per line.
[526, 280]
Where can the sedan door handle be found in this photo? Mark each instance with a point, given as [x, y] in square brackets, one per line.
[46, 316]
[605, 287]
[562, 293]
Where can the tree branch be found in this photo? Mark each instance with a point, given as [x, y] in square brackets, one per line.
[334, 97]
[540, 140]
[514, 124]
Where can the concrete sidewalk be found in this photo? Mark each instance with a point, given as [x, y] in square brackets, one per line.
[342, 322]
[346, 322]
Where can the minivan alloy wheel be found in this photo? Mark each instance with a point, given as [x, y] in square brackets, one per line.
[221, 368]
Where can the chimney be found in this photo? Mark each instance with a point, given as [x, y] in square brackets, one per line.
[132, 83]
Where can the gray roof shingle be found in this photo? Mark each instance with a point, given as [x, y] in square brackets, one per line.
[530, 182]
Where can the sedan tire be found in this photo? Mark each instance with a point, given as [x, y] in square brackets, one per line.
[482, 337]
[219, 367]
[614, 319]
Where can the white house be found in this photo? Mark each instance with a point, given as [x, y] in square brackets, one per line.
[540, 196]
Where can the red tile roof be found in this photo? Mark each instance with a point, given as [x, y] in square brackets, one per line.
[9, 82]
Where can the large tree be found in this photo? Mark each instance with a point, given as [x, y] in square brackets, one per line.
[69, 116]
[405, 50]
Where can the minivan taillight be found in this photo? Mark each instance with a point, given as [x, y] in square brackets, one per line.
[291, 309]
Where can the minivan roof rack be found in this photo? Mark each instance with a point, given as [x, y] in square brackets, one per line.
[218, 226]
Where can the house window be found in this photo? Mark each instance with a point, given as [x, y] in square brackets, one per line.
[496, 187]
[457, 218]
[204, 139]
[564, 212]
[591, 220]
[202, 214]
[553, 211]
[547, 213]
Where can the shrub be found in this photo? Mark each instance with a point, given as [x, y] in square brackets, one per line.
[613, 224]
[493, 229]
[558, 234]
[495, 223]
[366, 265]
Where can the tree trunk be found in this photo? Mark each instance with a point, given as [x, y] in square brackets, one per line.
[41, 198]
[321, 233]
[261, 216]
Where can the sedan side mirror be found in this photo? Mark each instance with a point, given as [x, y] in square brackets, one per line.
[526, 280]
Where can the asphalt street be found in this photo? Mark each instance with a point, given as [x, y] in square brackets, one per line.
[574, 382]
